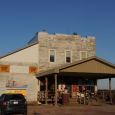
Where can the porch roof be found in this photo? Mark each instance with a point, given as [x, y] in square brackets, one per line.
[93, 67]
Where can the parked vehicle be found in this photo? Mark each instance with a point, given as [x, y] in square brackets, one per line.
[13, 104]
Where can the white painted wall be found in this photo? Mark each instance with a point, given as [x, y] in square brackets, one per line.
[21, 80]
[27, 55]
[19, 69]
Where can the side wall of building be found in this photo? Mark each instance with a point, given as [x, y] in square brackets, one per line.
[17, 72]
[19, 82]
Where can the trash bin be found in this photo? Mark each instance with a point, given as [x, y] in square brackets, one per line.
[65, 98]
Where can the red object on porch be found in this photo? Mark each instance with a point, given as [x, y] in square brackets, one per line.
[65, 98]
[74, 88]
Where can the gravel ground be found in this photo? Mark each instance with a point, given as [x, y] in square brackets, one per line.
[71, 110]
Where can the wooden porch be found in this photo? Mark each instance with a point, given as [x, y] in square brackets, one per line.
[84, 74]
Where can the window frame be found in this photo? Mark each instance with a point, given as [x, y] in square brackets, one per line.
[70, 56]
[54, 55]
[81, 55]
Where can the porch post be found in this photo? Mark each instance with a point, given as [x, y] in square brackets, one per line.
[110, 94]
[46, 90]
[39, 82]
[55, 77]
[96, 89]
[38, 95]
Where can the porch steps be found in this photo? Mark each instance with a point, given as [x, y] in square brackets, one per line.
[73, 101]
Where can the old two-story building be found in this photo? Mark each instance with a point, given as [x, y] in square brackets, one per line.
[27, 70]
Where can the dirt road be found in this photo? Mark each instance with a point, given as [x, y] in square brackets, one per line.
[71, 110]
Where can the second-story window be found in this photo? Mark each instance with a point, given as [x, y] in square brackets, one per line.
[68, 56]
[52, 56]
[83, 55]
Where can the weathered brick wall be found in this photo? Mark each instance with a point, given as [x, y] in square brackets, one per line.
[62, 43]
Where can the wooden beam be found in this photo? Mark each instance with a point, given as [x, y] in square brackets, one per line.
[55, 78]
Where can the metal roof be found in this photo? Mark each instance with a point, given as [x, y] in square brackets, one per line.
[93, 65]
[17, 50]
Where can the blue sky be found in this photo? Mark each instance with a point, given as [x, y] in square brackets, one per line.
[21, 19]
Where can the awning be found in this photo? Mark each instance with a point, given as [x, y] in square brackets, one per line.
[93, 67]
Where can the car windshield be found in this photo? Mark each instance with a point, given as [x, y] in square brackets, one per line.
[14, 96]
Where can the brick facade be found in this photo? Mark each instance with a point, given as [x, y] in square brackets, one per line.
[62, 43]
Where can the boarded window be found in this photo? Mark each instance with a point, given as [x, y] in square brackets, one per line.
[4, 68]
[33, 70]
[83, 54]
